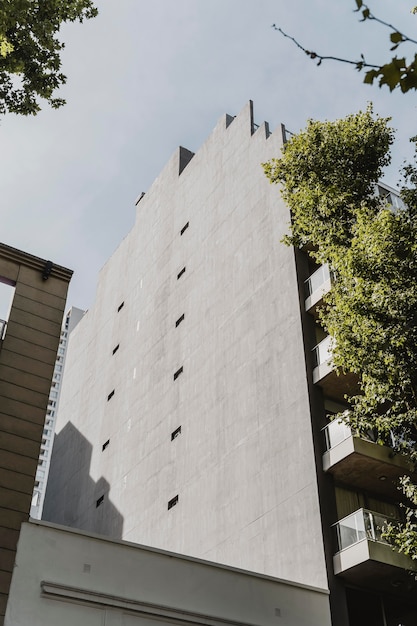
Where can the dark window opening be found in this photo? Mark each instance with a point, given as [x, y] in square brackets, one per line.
[172, 502]
[178, 372]
[184, 228]
[110, 396]
[181, 273]
[105, 444]
[120, 307]
[175, 433]
[116, 348]
[99, 501]
[179, 320]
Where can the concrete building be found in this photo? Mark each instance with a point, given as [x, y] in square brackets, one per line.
[68, 577]
[193, 415]
[28, 346]
[72, 318]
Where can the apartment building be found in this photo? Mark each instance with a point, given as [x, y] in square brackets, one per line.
[194, 410]
[72, 318]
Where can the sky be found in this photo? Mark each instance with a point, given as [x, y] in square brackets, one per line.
[148, 75]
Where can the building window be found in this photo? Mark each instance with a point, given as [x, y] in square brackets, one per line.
[184, 228]
[115, 349]
[179, 320]
[110, 396]
[105, 444]
[178, 372]
[172, 502]
[120, 307]
[175, 433]
[99, 501]
[180, 273]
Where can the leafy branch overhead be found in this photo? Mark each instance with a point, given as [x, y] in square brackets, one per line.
[30, 63]
[398, 72]
[328, 175]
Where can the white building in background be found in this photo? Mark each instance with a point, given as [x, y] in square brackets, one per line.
[72, 318]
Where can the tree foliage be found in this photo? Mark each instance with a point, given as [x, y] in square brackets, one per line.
[30, 63]
[397, 72]
[328, 174]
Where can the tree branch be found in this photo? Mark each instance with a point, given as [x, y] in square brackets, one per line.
[315, 55]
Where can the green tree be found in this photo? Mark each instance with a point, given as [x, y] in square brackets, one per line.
[397, 72]
[30, 63]
[327, 175]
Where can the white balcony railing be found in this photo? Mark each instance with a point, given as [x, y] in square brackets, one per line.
[360, 525]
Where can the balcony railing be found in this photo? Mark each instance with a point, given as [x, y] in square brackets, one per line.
[316, 286]
[360, 525]
[317, 280]
[390, 196]
[322, 352]
[336, 432]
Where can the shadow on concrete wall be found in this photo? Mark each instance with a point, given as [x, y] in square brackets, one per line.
[72, 497]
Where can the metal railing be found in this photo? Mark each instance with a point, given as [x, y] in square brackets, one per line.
[360, 525]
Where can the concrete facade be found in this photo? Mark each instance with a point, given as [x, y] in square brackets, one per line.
[199, 389]
[184, 419]
[27, 356]
[67, 577]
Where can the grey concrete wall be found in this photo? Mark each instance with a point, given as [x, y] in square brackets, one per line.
[243, 466]
[63, 577]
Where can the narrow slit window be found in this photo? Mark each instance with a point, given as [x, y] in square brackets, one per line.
[175, 433]
[184, 228]
[105, 444]
[110, 396]
[172, 502]
[120, 307]
[179, 320]
[99, 501]
[180, 273]
[178, 372]
[115, 349]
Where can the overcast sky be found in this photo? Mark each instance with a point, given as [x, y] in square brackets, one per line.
[148, 75]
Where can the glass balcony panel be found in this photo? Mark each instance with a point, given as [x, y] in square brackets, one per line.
[351, 530]
[336, 432]
[362, 524]
[322, 352]
[317, 279]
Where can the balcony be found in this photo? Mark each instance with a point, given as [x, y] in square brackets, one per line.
[316, 286]
[364, 558]
[362, 463]
[390, 195]
[334, 386]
